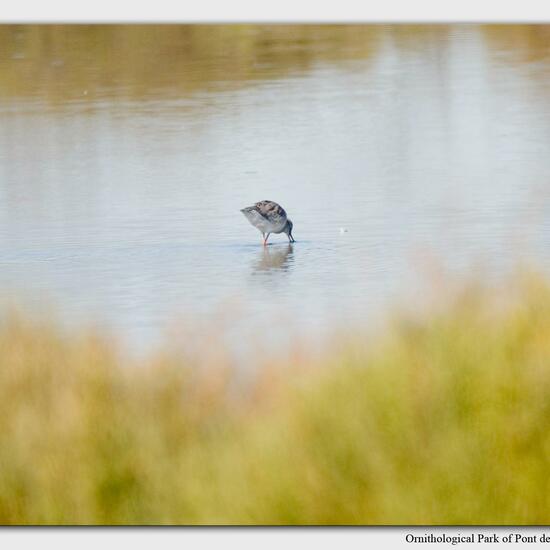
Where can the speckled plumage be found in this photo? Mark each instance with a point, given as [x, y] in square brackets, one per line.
[269, 217]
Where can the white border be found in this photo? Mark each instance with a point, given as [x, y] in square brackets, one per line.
[262, 538]
[275, 11]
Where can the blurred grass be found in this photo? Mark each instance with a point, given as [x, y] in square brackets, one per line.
[444, 419]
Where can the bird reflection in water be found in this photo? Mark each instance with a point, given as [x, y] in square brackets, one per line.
[274, 258]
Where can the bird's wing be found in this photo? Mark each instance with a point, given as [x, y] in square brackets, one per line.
[270, 210]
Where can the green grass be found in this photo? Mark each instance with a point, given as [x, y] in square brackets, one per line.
[445, 419]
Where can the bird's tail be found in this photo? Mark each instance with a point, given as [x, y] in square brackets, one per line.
[250, 212]
[252, 215]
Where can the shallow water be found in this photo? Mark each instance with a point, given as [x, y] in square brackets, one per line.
[127, 152]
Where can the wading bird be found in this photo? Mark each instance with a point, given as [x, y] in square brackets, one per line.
[269, 217]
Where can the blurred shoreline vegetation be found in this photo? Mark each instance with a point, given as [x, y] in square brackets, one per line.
[528, 43]
[170, 60]
[60, 63]
[444, 419]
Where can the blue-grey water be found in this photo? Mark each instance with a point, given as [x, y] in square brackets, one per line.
[120, 190]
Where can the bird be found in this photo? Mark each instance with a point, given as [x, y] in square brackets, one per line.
[269, 217]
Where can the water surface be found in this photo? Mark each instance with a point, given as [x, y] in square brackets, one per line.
[127, 152]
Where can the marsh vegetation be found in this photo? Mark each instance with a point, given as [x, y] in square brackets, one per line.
[438, 420]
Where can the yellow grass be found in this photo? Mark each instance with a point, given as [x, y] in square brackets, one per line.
[444, 420]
